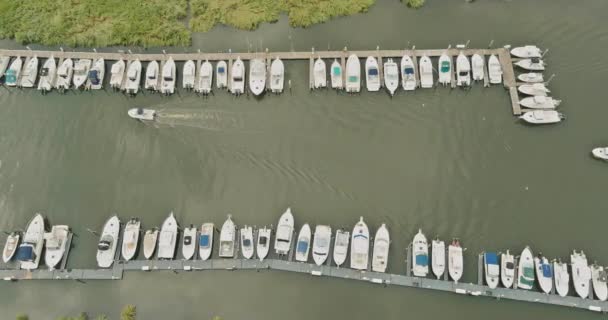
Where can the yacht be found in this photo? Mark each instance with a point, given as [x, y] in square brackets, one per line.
[341, 246]
[227, 238]
[336, 75]
[96, 74]
[321, 243]
[319, 74]
[353, 74]
[531, 77]
[133, 77]
[539, 102]
[478, 64]
[151, 82]
[150, 240]
[534, 89]
[526, 52]
[64, 75]
[372, 74]
[382, 243]
[494, 70]
[438, 258]
[277, 76]
[222, 74]
[257, 76]
[142, 114]
[561, 277]
[189, 242]
[303, 243]
[167, 85]
[581, 274]
[408, 73]
[391, 76]
[284, 234]
[533, 64]
[247, 242]
[525, 270]
[542, 117]
[426, 72]
[507, 269]
[420, 256]
[445, 70]
[130, 239]
[205, 78]
[167, 238]
[359, 246]
[205, 241]
[81, 72]
[108, 241]
[189, 75]
[237, 77]
[455, 261]
[117, 73]
[29, 73]
[491, 269]
[600, 153]
[55, 245]
[598, 277]
[12, 74]
[47, 75]
[544, 273]
[30, 249]
[463, 71]
[10, 246]
[263, 243]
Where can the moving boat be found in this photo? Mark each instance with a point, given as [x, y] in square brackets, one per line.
[341, 246]
[581, 274]
[205, 78]
[142, 114]
[130, 239]
[29, 73]
[494, 70]
[600, 153]
[30, 249]
[353, 74]
[372, 75]
[117, 73]
[531, 77]
[167, 84]
[445, 69]
[205, 241]
[526, 52]
[106, 248]
[420, 256]
[463, 71]
[133, 77]
[189, 75]
[47, 75]
[263, 243]
[96, 74]
[12, 74]
[282, 242]
[222, 74]
[478, 64]
[533, 64]
[321, 243]
[167, 238]
[534, 89]
[10, 246]
[382, 243]
[227, 238]
[150, 240]
[237, 77]
[491, 269]
[391, 76]
[151, 82]
[539, 102]
[277, 75]
[455, 261]
[598, 277]
[64, 75]
[562, 278]
[359, 246]
[4, 61]
[408, 73]
[507, 269]
[542, 117]
[544, 273]
[426, 72]
[81, 72]
[336, 75]
[525, 270]
[247, 242]
[257, 76]
[303, 243]
[189, 242]
[438, 258]
[55, 245]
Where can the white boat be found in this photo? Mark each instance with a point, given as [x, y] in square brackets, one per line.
[81, 72]
[96, 74]
[420, 255]
[507, 269]
[544, 273]
[247, 242]
[531, 77]
[117, 73]
[478, 64]
[227, 238]
[108, 241]
[445, 69]
[150, 240]
[525, 277]
[303, 243]
[151, 82]
[237, 77]
[336, 75]
[426, 72]
[372, 74]
[257, 76]
[321, 243]
[205, 241]
[542, 117]
[133, 77]
[534, 89]
[600, 153]
[29, 73]
[463, 71]
[408, 73]
[56, 241]
[167, 238]
[205, 78]
[382, 243]
[341, 246]
[455, 261]
[4, 62]
[189, 75]
[539, 102]
[64, 75]
[319, 74]
[30, 249]
[277, 75]
[438, 258]
[263, 243]
[142, 114]
[189, 242]
[167, 84]
[391, 76]
[491, 269]
[526, 52]
[494, 70]
[10, 246]
[12, 74]
[353, 74]
[130, 239]
[48, 72]
[533, 64]
[284, 235]
[561, 277]
[581, 273]
[359, 246]
[221, 70]
[598, 277]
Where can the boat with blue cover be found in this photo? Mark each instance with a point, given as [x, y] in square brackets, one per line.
[420, 255]
[30, 250]
[303, 243]
[544, 273]
[205, 241]
[491, 268]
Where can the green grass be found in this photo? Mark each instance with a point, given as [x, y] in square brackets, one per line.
[414, 3]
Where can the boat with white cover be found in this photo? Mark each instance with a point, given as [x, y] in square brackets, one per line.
[544, 273]
[533, 64]
[445, 69]
[539, 102]
[303, 243]
[64, 75]
[96, 74]
[10, 246]
[189, 75]
[263, 243]
[507, 269]
[151, 82]
[221, 71]
[542, 117]
[277, 75]
[463, 71]
[382, 243]
[117, 73]
[167, 84]
[477, 65]
[531, 77]
[205, 241]
[30, 249]
[257, 76]
[581, 273]
[205, 78]
[319, 74]
[561, 277]
[353, 74]
[247, 242]
[284, 234]
[600, 153]
[150, 240]
[167, 238]
[438, 258]
[130, 239]
[494, 70]
[48, 72]
[29, 73]
[341, 246]
[525, 279]
[142, 114]
[359, 246]
[534, 89]
[237, 77]
[426, 72]
[81, 72]
[227, 238]
[4, 62]
[526, 52]
[337, 82]
[12, 74]
[420, 255]
[55, 245]
[108, 241]
[408, 73]
[189, 242]
[598, 277]
[133, 77]
[391, 76]
[321, 243]
[455, 260]
[491, 269]
[372, 74]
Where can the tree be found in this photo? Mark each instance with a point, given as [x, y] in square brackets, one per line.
[129, 312]
[22, 317]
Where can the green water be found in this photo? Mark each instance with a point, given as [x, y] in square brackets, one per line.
[454, 163]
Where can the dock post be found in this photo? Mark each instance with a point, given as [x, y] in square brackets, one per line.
[515, 273]
[197, 73]
[311, 70]
[486, 75]
[268, 62]
[54, 84]
[414, 56]
[229, 68]
[480, 269]
[343, 64]
[453, 73]
[408, 260]
[446, 272]
[380, 66]
[68, 246]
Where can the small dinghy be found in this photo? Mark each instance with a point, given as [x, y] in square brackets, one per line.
[531, 77]
[533, 64]
[284, 234]
[426, 72]
[507, 269]
[408, 73]
[525, 279]
[142, 114]
[353, 74]
[420, 255]
[55, 245]
[321, 243]
[96, 74]
[303, 243]
[526, 52]
[598, 277]
[108, 241]
[4, 61]
[257, 76]
[391, 76]
[372, 74]
[539, 102]
[544, 273]
[167, 84]
[12, 74]
[117, 73]
[167, 238]
[534, 89]
[29, 73]
[581, 273]
[189, 75]
[438, 258]
[277, 76]
[336, 75]
[10, 246]
[30, 249]
[227, 238]
[151, 82]
[64, 75]
[341, 246]
[319, 74]
[463, 71]
[189, 242]
[205, 78]
[205, 241]
[81, 72]
[494, 70]
[382, 243]
[359, 246]
[47, 75]
[133, 78]
[237, 77]
[600, 153]
[455, 261]
[491, 269]
[150, 240]
[247, 242]
[478, 64]
[445, 70]
[561, 277]
[542, 117]
[263, 243]
[221, 70]
[130, 239]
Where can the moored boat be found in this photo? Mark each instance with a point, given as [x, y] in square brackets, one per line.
[445, 69]
[167, 238]
[11, 75]
[205, 241]
[321, 243]
[598, 277]
[525, 270]
[30, 249]
[303, 243]
[167, 84]
[284, 234]
[96, 74]
[4, 61]
[10, 246]
[151, 82]
[189, 242]
[247, 242]
[561, 277]
[494, 70]
[56, 241]
[382, 243]
[81, 72]
[117, 73]
[532, 64]
[227, 238]
[29, 73]
[221, 71]
[341, 246]
[478, 64]
[491, 269]
[527, 51]
[372, 74]
[263, 243]
[420, 256]
[391, 76]
[237, 77]
[48, 72]
[150, 241]
[133, 77]
[108, 241]
[337, 81]
[534, 89]
[531, 77]
[130, 239]
[507, 269]
[205, 78]
[600, 153]
[542, 117]
[539, 102]
[319, 74]
[142, 114]
[438, 258]
[426, 72]
[353, 74]
[277, 75]
[581, 273]
[408, 73]
[64, 75]
[455, 260]
[359, 246]
[544, 273]
[463, 71]
[189, 75]
[257, 76]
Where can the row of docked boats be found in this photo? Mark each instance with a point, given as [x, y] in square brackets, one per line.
[437, 260]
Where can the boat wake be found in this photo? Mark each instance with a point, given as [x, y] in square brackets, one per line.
[216, 120]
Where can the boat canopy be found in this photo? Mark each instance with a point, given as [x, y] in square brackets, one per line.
[408, 70]
[360, 235]
[187, 240]
[94, 76]
[246, 243]
[302, 246]
[422, 260]
[510, 265]
[103, 245]
[463, 73]
[26, 253]
[445, 66]
[220, 70]
[491, 258]
[337, 70]
[44, 72]
[547, 273]
[263, 240]
[10, 76]
[353, 79]
[372, 72]
[528, 273]
[204, 241]
[526, 281]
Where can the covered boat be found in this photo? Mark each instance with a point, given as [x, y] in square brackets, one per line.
[539, 102]
[30, 249]
[494, 70]
[189, 242]
[108, 241]
[438, 258]
[133, 77]
[151, 82]
[263, 243]
[359, 246]
[56, 241]
[48, 72]
[463, 71]
[507, 269]
[64, 75]
[478, 64]
[391, 76]
[372, 74]
[341, 246]
[227, 238]
[303, 243]
[455, 261]
[205, 241]
[445, 69]
[167, 84]
[150, 240]
[491, 269]
[544, 273]
[525, 279]
[205, 78]
[420, 256]
[167, 238]
[319, 74]
[247, 242]
[29, 73]
[189, 75]
[284, 234]
[426, 72]
[130, 239]
[81, 72]
[353, 74]
[526, 52]
[542, 117]
[337, 81]
[598, 277]
[12, 74]
[408, 73]
[561, 277]
[257, 76]
[382, 242]
[277, 75]
[581, 273]
[117, 73]
[533, 64]
[321, 243]
[142, 114]
[600, 153]
[237, 77]
[10, 246]
[531, 77]
[534, 89]
[96, 74]
[221, 71]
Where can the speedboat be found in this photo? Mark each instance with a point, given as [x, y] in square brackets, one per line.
[532, 64]
[64, 75]
[205, 241]
[321, 243]
[4, 61]
[494, 70]
[133, 77]
[408, 73]
[96, 74]
[391, 76]
[263, 243]
[277, 76]
[372, 75]
[581, 274]
[237, 77]
[189, 75]
[526, 52]
[130, 239]
[284, 234]
[561, 277]
[257, 76]
[426, 72]
[359, 246]
[222, 74]
[227, 238]
[542, 117]
[205, 78]
[539, 102]
[29, 73]
[167, 84]
[117, 73]
[598, 277]
[382, 243]
[353, 74]
[341, 246]
[438, 258]
[525, 270]
[167, 238]
[420, 255]
[47, 75]
[10, 246]
[531, 77]
[12, 74]
[55, 245]
[142, 114]
[106, 248]
[303, 243]
[463, 71]
[336, 75]
[544, 273]
[534, 89]
[445, 69]
[491, 269]
[478, 64]
[30, 249]
[150, 240]
[455, 261]
[507, 269]
[189, 242]
[81, 72]
[247, 242]
[600, 153]
[319, 73]
[151, 82]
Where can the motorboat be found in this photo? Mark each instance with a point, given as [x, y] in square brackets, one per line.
[372, 74]
[598, 277]
[337, 82]
[319, 74]
[445, 69]
[227, 238]
[463, 71]
[438, 258]
[12, 74]
[526, 52]
[263, 243]
[303, 243]
[189, 75]
[408, 73]
[600, 153]
[167, 83]
[257, 76]
[532, 64]
[507, 269]
[542, 117]
[221, 70]
[382, 243]
[539, 102]
[531, 77]
[30, 249]
[491, 269]
[29, 73]
[10, 246]
[426, 72]
[341, 246]
[561, 277]
[189, 242]
[81, 72]
[544, 273]
[581, 273]
[133, 77]
[151, 82]
[353, 74]
[277, 75]
[167, 238]
[534, 89]
[4, 61]
[205, 241]
[150, 240]
[96, 74]
[237, 77]
[494, 70]
[525, 279]
[420, 255]
[359, 246]
[284, 234]
[130, 239]
[64, 75]
[321, 243]
[48, 72]
[455, 261]
[117, 73]
[391, 76]
[142, 114]
[478, 64]
[205, 78]
[56, 241]
[108, 241]
[247, 242]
